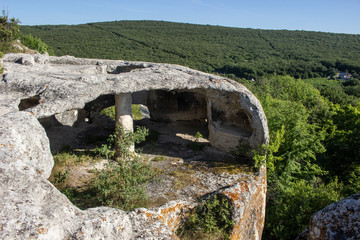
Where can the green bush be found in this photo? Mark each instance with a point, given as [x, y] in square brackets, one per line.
[122, 184]
[35, 44]
[212, 219]
[118, 147]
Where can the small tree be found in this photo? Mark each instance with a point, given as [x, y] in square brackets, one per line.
[9, 31]
[119, 147]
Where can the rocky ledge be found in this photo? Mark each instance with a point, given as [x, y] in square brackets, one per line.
[67, 91]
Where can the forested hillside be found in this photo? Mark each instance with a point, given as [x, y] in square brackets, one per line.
[246, 53]
[314, 118]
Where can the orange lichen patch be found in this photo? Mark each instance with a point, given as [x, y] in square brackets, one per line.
[11, 146]
[43, 231]
[236, 232]
[162, 218]
[251, 201]
[236, 195]
[174, 215]
[150, 215]
[171, 216]
[233, 196]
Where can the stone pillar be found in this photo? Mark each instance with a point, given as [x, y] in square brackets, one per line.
[123, 113]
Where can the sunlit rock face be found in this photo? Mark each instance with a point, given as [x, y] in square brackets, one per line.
[69, 91]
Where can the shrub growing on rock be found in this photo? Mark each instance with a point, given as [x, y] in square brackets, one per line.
[212, 219]
[122, 183]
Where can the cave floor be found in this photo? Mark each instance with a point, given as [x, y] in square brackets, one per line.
[189, 168]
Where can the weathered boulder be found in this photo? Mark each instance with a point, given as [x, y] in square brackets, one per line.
[31, 206]
[23, 145]
[55, 89]
[340, 220]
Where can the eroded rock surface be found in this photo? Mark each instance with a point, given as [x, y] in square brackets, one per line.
[340, 220]
[60, 88]
[23, 145]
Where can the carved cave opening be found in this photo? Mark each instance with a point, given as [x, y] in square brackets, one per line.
[174, 118]
[178, 117]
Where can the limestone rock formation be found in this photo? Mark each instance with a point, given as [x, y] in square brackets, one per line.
[68, 91]
[340, 220]
[50, 85]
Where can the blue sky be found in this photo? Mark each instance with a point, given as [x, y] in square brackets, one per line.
[340, 16]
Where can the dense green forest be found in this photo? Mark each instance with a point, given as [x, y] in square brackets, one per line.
[314, 155]
[246, 53]
[314, 119]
